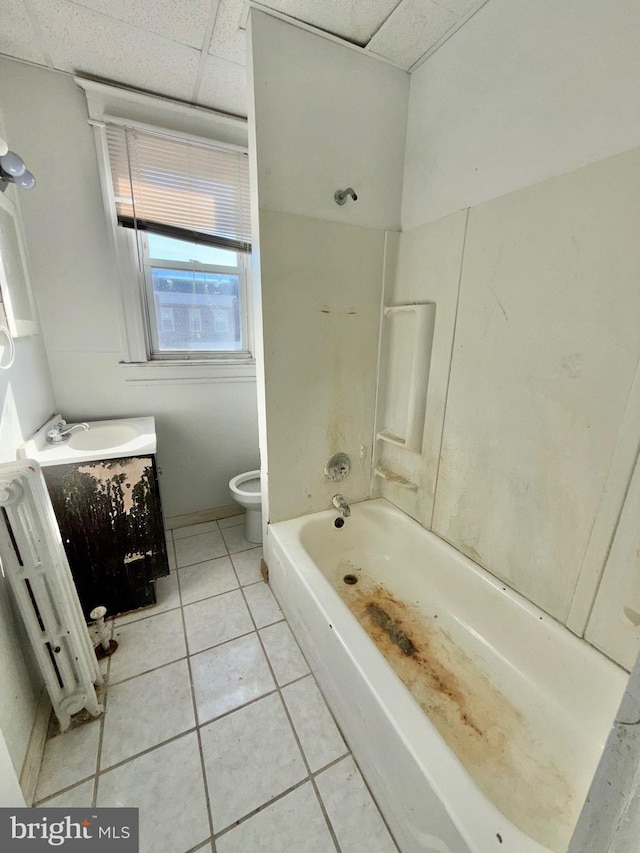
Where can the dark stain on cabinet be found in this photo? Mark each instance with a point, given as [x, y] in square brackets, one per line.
[110, 518]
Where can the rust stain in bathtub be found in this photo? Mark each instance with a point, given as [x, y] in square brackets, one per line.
[391, 628]
[400, 632]
[481, 725]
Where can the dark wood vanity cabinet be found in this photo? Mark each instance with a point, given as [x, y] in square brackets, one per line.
[110, 518]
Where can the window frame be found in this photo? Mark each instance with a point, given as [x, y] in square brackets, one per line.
[154, 320]
[109, 104]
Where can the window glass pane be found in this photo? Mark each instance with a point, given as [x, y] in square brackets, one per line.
[170, 249]
[204, 309]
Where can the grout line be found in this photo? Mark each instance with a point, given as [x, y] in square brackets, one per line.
[147, 671]
[149, 749]
[198, 726]
[66, 789]
[248, 704]
[279, 689]
[370, 792]
[194, 707]
[261, 808]
[201, 845]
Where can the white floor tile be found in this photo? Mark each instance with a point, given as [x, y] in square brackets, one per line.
[167, 598]
[229, 676]
[171, 552]
[250, 757]
[216, 620]
[262, 604]
[292, 824]
[194, 529]
[166, 785]
[231, 521]
[68, 758]
[145, 711]
[147, 644]
[321, 740]
[283, 652]
[235, 541]
[353, 814]
[206, 579]
[247, 566]
[80, 797]
[197, 549]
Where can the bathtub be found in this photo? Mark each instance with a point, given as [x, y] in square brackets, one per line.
[476, 719]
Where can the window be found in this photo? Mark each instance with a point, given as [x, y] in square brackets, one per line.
[185, 205]
[195, 296]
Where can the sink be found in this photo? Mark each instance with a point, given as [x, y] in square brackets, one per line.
[109, 439]
[103, 437]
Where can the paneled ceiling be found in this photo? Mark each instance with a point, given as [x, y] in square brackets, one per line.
[194, 50]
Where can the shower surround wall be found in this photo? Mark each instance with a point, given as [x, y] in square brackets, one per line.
[337, 119]
[533, 406]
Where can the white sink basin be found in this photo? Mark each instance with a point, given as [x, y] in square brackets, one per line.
[104, 437]
[111, 439]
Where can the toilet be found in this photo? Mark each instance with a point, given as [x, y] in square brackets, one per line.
[245, 490]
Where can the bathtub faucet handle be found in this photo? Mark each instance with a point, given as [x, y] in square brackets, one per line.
[341, 505]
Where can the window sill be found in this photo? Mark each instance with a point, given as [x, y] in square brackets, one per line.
[179, 372]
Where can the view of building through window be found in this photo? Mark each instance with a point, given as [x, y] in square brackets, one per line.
[197, 296]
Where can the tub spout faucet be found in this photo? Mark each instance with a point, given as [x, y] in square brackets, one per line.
[60, 431]
[341, 505]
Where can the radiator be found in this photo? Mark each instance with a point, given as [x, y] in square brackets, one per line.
[34, 562]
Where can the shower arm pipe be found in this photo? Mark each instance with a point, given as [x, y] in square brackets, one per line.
[340, 196]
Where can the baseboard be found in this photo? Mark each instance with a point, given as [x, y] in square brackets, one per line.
[35, 749]
[201, 516]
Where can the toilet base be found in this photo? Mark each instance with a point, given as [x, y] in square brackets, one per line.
[253, 526]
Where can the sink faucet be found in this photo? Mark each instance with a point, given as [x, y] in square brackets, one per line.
[340, 504]
[60, 431]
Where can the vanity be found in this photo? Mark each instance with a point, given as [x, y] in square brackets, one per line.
[103, 484]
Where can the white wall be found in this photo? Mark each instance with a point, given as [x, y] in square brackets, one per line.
[321, 299]
[522, 92]
[207, 432]
[26, 399]
[325, 117]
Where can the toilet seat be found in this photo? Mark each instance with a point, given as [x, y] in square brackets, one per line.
[246, 488]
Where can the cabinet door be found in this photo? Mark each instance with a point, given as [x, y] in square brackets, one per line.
[110, 519]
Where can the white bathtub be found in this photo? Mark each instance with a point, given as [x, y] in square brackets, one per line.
[517, 708]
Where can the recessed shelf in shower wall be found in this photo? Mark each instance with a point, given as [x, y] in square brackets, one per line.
[407, 338]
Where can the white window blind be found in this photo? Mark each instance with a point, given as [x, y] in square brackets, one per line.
[180, 188]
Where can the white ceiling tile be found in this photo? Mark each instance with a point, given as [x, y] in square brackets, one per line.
[228, 40]
[414, 27]
[354, 20]
[80, 40]
[181, 20]
[16, 33]
[224, 86]
[460, 8]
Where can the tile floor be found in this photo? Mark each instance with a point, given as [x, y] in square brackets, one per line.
[214, 727]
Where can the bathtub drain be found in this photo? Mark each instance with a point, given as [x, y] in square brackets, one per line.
[350, 579]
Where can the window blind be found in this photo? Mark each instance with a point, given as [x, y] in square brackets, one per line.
[180, 188]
